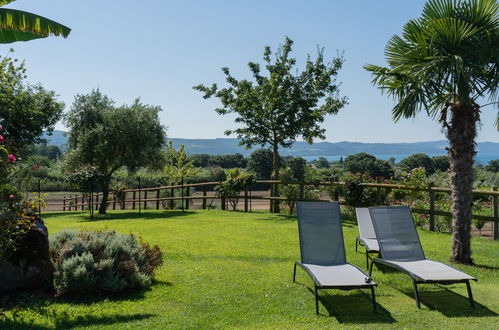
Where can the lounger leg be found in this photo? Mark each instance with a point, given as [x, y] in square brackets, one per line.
[371, 269]
[356, 243]
[470, 295]
[416, 293]
[294, 274]
[367, 259]
[316, 300]
[373, 299]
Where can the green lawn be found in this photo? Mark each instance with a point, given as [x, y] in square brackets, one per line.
[234, 270]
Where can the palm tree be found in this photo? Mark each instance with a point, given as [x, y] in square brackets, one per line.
[16, 25]
[443, 64]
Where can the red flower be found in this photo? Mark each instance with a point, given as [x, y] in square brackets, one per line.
[11, 158]
[11, 196]
[1, 137]
[1, 127]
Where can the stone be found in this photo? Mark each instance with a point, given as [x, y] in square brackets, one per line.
[30, 266]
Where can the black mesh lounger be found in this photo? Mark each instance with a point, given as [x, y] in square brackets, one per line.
[323, 252]
[367, 235]
[400, 248]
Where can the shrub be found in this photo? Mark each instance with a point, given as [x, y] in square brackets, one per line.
[233, 185]
[100, 262]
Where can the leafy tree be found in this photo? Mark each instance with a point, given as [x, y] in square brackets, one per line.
[440, 163]
[17, 25]
[233, 185]
[111, 137]
[297, 166]
[178, 166]
[86, 179]
[493, 166]
[443, 63]
[27, 110]
[321, 163]
[260, 163]
[364, 163]
[52, 152]
[278, 108]
[417, 160]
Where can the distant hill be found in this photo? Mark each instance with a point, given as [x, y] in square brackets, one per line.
[230, 146]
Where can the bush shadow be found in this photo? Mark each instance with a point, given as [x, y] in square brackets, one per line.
[130, 215]
[63, 321]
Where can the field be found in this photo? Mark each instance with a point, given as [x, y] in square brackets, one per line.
[234, 270]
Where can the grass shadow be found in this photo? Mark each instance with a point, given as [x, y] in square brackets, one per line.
[354, 308]
[448, 302]
[62, 320]
[130, 215]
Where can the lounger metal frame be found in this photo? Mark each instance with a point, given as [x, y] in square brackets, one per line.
[360, 241]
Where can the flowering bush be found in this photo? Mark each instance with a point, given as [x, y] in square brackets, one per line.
[15, 216]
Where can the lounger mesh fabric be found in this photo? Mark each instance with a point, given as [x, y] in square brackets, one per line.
[366, 228]
[321, 236]
[397, 236]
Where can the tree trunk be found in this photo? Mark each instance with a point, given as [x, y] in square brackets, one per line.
[105, 196]
[276, 165]
[461, 133]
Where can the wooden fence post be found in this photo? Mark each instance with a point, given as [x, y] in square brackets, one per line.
[245, 199]
[187, 200]
[205, 193]
[432, 206]
[145, 199]
[157, 199]
[222, 203]
[172, 201]
[133, 197]
[123, 203]
[64, 204]
[495, 210]
[96, 201]
[114, 201]
[70, 201]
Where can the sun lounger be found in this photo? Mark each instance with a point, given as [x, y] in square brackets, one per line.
[323, 252]
[367, 235]
[400, 248]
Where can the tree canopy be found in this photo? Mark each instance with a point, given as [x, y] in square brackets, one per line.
[365, 163]
[26, 110]
[277, 108]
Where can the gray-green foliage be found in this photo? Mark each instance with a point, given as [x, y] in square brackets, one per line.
[110, 137]
[101, 262]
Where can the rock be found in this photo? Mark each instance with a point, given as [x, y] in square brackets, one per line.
[30, 266]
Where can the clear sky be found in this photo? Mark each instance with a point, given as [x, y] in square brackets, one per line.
[158, 49]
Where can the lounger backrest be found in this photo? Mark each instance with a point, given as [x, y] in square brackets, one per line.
[321, 235]
[396, 232]
[366, 229]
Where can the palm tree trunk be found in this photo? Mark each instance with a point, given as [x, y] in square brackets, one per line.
[461, 133]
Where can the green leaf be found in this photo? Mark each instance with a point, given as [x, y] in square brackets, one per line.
[16, 25]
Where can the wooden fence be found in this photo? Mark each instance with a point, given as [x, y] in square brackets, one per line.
[142, 198]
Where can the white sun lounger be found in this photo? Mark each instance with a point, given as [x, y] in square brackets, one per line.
[400, 248]
[323, 251]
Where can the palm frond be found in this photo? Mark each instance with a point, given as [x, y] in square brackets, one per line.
[22, 24]
[5, 2]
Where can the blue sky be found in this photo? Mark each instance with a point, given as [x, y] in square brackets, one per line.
[158, 49]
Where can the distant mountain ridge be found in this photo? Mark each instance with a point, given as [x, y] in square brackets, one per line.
[223, 146]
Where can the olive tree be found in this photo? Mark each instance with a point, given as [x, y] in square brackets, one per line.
[110, 137]
[277, 108]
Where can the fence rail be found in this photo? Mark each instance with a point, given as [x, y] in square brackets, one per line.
[140, 196]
